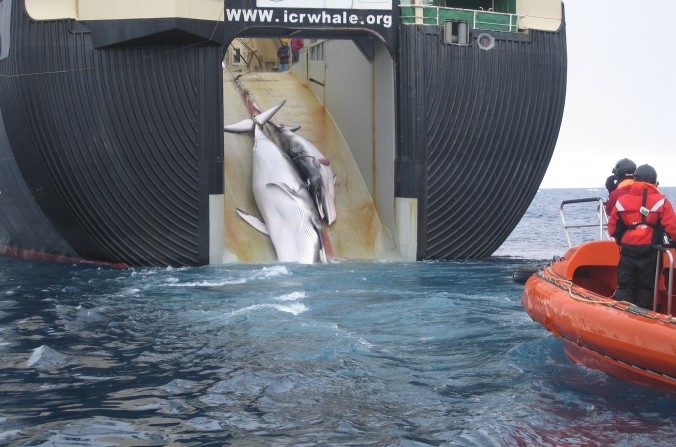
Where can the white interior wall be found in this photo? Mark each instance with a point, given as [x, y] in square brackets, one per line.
[360, 96]
[385, 134]
[349, 100]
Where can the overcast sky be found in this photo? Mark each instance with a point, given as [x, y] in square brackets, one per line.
[621, 91]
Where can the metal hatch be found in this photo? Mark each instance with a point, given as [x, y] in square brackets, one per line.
[5, 27]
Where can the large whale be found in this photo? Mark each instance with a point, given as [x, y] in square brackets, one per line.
[313, 167]
[289, 215]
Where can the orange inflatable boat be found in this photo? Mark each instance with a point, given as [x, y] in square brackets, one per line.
[572, 298]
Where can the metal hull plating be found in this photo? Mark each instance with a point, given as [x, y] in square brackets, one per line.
[114, 144]
[478, 129]
[111, 136]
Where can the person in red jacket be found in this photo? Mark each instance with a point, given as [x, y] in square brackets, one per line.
[620, 182]
[638, 220]
[296, 45]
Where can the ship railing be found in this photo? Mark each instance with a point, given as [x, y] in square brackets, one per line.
[315, 50]
[664, 249]
[439, 15]
[311, 64]
[601, 217]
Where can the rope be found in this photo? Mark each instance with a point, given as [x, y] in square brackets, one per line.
[567, 285]
[303, 156]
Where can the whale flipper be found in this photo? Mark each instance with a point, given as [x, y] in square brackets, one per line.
[253, 221]
[283, 126]
[288, 190]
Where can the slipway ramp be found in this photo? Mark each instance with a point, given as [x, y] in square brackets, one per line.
[357, 232]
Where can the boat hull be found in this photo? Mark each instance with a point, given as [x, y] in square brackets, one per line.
[615, 337]
[591, 359]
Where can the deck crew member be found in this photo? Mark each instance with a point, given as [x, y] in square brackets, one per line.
[283, 54]
[639, 219]
[296, 45]
[620, 182]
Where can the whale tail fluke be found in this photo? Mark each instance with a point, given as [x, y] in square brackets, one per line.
[264, 117]
[244, 126]
[247, 125]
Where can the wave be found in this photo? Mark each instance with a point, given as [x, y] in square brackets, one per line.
[264, 273]
[128, 291]
[206, 283]
[294, 308]
[270, 272]
[293, 296]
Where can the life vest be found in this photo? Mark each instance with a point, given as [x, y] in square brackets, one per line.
[639, 223]
[622, 188]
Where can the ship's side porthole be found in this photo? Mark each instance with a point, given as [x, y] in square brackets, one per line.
[456, 33]
[5, 15]
[485, 41]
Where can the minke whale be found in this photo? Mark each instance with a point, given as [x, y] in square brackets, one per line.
[313, 167]
[282, 197]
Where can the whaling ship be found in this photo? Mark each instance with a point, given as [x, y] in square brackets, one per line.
[440, 117]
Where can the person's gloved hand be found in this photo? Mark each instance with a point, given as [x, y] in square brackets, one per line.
[610, 184]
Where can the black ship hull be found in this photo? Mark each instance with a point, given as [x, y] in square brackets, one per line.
[111, 136]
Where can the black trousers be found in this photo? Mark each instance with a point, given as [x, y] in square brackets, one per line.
[636, 275]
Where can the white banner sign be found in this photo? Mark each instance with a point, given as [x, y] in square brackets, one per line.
[326, 4]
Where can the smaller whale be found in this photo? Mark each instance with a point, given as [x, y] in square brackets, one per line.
[313, 167]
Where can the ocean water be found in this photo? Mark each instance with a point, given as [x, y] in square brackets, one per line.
[350, 353]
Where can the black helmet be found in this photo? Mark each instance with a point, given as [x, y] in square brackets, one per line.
[646, 173]
[624, 168]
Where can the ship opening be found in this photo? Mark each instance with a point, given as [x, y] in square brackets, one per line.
[341, 92]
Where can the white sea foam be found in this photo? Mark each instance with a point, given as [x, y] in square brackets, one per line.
[130, 291]
[270, 272]
[293, 308]
[143, 272]
[365, 343]
[293, 296]
[246, 310]
[46, 357]
[224, 282]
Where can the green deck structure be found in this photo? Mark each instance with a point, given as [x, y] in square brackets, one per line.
[502, 19]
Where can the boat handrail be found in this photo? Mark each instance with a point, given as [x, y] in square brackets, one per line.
[600, 214]
[670, 283]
